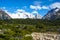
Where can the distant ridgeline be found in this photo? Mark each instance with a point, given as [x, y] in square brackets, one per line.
[20, 15]
[53, 14]
[4, 15]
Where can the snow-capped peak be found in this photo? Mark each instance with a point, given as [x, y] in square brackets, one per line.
[57, 9]
[23, 14]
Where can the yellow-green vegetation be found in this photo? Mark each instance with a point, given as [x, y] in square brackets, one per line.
[16, 29]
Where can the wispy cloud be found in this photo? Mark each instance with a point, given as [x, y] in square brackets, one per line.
[38, 7]
[45, 7]
[35, 12]
[35, 7]
[54, 5]
[37, 2]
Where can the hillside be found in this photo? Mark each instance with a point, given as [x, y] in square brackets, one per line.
[15, 29]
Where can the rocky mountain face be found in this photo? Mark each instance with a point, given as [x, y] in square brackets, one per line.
[4, 15]
[53, 14]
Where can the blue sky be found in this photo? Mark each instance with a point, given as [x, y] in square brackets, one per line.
[41, 6]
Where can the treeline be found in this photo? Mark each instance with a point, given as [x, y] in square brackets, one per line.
[50, 25]
[32, 22]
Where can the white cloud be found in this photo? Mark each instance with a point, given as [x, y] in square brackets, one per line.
[34, 12]
[45, 7]
[54, 5]
[35, 7]
[38, 7]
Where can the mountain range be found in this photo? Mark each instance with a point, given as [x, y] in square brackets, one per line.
[22, 14]
[51, 15]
